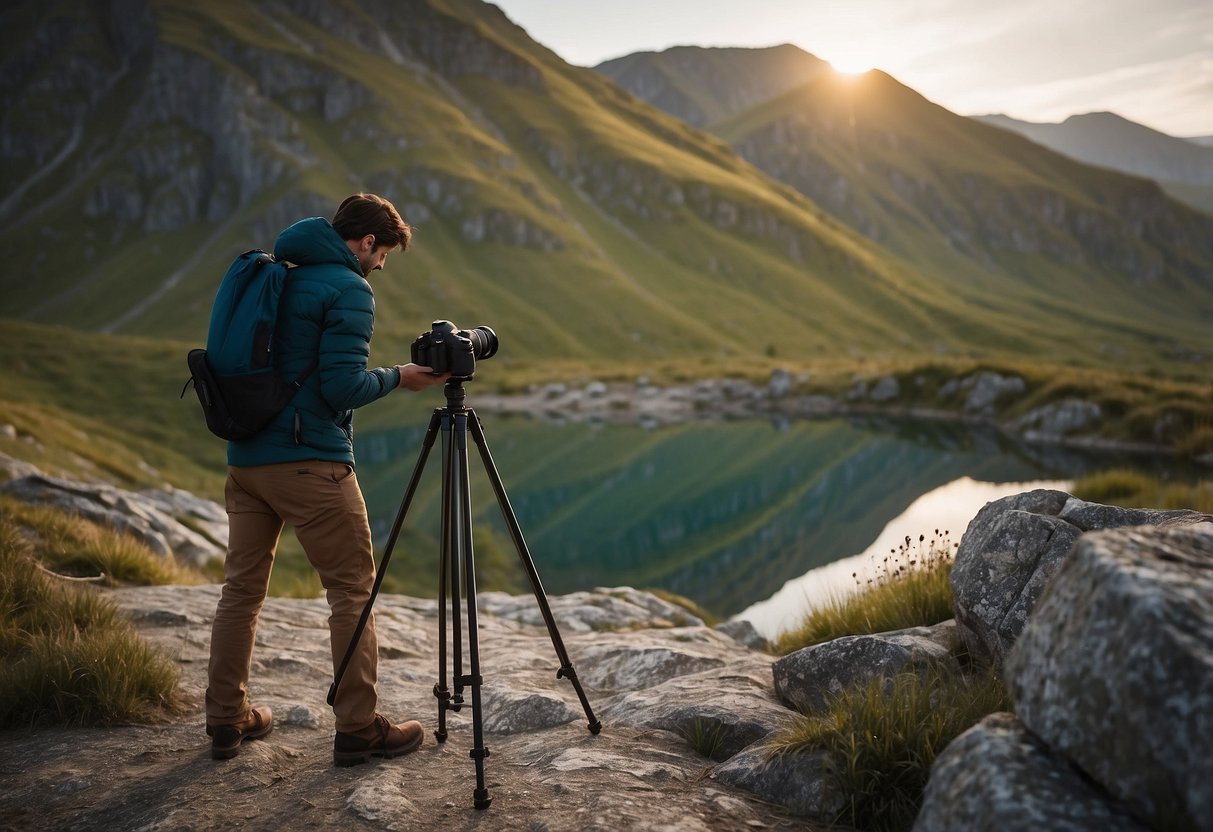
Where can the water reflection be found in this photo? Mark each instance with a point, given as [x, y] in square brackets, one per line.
[946, 510]
[724, 513]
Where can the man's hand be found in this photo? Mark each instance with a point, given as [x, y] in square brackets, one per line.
[416, 377]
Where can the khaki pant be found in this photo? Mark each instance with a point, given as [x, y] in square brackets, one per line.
[322, 501]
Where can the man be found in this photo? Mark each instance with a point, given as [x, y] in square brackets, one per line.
[300, 471]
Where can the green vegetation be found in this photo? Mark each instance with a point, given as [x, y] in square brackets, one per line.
[73, 546]
[706, 737]
[1135, 489]
[909, 589]
[68, 655]
[881, 739]
[578, 221]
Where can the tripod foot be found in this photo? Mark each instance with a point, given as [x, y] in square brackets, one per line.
[440, 736]
[481, 799]
[595, 726]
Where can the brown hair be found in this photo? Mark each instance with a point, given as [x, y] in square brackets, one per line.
[363, 214]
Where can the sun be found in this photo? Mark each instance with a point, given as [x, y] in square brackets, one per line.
[851, 65]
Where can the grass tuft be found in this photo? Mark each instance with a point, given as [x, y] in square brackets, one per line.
[909, 589]
[68, 654]
[707, 737]
[881, 739]
[71, 545]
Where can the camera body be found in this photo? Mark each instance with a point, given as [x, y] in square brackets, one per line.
[448, 349]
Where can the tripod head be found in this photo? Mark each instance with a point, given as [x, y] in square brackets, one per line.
[455, 393]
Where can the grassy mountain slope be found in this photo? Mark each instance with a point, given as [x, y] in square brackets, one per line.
[702, 86]
[1004, 221]
[548, 203]
[580, 222]
[1184, 168]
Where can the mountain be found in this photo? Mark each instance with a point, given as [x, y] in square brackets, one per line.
[968, 204]
[144, 143]
[701, 86]
[1184, 167]
[168, 136]
[971, 202]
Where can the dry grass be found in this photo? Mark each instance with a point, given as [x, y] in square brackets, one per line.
[68, 654]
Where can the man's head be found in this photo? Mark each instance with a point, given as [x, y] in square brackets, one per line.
[372, 228]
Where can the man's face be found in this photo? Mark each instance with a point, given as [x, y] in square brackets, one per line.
[373, 257]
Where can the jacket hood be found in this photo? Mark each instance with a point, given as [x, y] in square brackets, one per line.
[314, 241]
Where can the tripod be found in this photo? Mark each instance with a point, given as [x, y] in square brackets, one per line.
[455, 421]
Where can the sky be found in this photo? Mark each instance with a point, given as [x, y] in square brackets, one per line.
[1150, 61]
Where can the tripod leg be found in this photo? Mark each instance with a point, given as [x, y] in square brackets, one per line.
[452, 531]
[426, 445]
[566, 670]
[478, 753]
[441, 691]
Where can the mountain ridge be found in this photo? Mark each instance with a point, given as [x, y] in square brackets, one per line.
[548, 202]
[1182, 166]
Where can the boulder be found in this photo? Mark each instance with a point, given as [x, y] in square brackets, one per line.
[800, 783]
[731, 702]
[998, 777]
[1115, 669]
[1010, 551]
[808, 679]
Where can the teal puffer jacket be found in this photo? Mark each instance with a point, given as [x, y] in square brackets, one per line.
[326, 313]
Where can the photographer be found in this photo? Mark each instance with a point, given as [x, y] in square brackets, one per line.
[300, 471]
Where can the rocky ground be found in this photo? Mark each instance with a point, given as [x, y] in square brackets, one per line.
[651, 672]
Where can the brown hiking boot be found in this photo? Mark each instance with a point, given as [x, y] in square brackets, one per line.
[226, 739]
[379, 739]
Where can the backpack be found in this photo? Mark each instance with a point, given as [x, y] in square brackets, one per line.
[237, 385]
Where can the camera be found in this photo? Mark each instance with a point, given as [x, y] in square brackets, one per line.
[448, 349]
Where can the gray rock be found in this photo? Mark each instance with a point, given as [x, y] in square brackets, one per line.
[733, 703]
[1115, 669]
[996, 777]
[986, 389]
[143, 517]
[1013, 547]
[1006, 555]
[633, 666]
[744, 632]
[621, 608]
[800, 783]
[886, 388]
[509, 711]
[780, 383]
[810, 678]
[1058, 419]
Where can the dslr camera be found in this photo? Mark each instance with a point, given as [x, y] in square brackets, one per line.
[448, 349]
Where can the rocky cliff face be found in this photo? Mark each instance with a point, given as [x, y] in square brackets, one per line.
[882, 175]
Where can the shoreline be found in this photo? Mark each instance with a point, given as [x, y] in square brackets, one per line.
[651, 406]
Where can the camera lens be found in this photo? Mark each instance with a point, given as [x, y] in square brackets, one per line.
[484, 341]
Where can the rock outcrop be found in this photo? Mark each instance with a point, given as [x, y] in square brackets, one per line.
[169, 521]
[1013, 547]
[1108, 648]
[655, 686]
[1101, 617]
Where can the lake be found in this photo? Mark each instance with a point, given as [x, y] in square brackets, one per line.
[723, 512]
